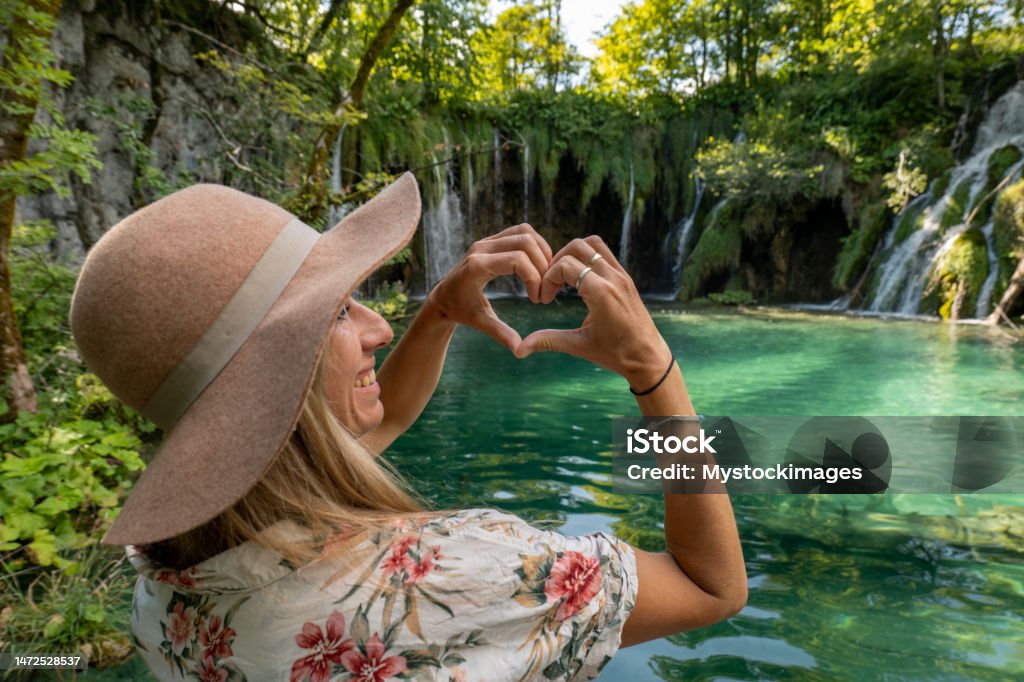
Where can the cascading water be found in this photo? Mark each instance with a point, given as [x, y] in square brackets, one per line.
[526, 182]
[443, 226]
[683, 231]
[627, 221]
[498, 207]
[905, 272]
[337, 212]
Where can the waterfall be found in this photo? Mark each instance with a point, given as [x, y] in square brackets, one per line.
[627, 221]
[498, 208]
[336, 213]
[684, 230]
[443, 226]
[904, 273]
[526, 182]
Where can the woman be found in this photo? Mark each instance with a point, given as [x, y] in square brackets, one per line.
[271, 544]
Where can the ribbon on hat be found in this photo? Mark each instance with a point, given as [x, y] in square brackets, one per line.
[236, 321]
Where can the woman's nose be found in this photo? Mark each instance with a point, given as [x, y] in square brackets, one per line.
[376, 332]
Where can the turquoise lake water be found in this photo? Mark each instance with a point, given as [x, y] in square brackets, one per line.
[907, 587]
[895, 587]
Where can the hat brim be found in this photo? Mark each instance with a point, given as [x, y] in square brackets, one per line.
[230, 435]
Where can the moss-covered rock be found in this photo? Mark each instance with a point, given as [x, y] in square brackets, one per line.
[718, 248]
[941, 183]
[999, 164]
[859, 244]
[956, 280]
[954, 213]
[1008, 234]
[909, 222]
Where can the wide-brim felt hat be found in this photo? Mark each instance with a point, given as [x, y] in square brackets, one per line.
[207, 311]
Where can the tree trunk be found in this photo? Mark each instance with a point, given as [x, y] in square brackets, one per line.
[1010, 296]
[311, 202]
[16, 389]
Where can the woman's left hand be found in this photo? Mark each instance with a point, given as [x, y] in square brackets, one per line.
[517, 250]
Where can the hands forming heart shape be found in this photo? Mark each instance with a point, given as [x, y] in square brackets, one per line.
[617, 333]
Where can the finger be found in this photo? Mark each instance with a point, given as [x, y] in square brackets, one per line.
[585, 252]
[569, 341]
[520, 242]
[527, 229]
[486, 266]
[566, 270]
[598, 245]
[490, 324]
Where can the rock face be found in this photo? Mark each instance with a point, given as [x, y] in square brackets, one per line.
[150, 103]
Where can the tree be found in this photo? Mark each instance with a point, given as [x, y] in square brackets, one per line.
[526, 49]
[312, 199]
[26, 71]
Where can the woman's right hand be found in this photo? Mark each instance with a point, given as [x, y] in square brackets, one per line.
[618, 332]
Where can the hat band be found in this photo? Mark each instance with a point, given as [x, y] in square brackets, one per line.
[237, 320]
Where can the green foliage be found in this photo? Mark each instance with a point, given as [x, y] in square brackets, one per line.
[62, 482]
[955, 281]
[83, 607]
[129, 114]
[389, 300]
[526, 48]
[732, 297]
[66, 152]
[758, 171]
[904, 183]
[27, 72]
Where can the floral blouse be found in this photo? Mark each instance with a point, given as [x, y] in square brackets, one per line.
[474, 595]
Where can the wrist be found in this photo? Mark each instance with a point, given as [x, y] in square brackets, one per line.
[649, 366]
[434, 313]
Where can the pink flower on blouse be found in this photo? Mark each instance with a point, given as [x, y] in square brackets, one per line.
[182, 627]
[577, 578]
[419, 571]
[216, 640]
[327, 649]
[373, 667]
[169, 576]
[395, 562]
[208, 672]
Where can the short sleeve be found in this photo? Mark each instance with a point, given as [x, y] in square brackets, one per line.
[552, 605]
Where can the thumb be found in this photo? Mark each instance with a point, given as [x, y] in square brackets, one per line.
[569, 341]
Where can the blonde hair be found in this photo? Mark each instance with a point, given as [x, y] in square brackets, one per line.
[324, 480]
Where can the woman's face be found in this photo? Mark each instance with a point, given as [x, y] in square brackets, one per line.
[351, 382]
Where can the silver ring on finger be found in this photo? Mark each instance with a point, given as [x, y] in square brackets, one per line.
[583, 273]
[593, 259]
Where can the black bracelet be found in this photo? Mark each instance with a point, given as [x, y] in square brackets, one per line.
[660, 381]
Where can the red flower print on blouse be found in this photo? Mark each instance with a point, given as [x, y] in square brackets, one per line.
[373, 666]
[186, 578]
[216, 640]
[419, 571]
[327, 649]
[395, 562]
[182, 627]
[577, 578]
[208, 672]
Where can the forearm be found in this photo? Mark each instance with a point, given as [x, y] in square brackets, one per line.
[700, 530]
[410, 374]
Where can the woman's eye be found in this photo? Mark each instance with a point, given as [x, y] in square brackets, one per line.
[343, 315]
